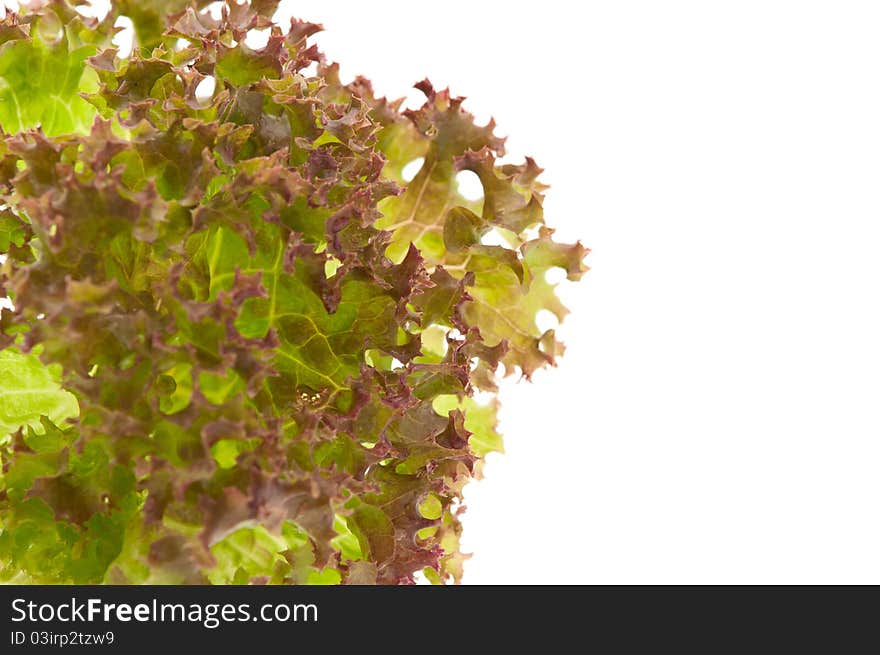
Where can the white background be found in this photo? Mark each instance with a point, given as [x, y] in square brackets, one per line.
[715, 419]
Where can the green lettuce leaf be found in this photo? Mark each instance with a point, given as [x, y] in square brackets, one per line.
[43, 72]
[30, 391]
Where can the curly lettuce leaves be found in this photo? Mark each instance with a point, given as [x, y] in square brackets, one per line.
[244, 349]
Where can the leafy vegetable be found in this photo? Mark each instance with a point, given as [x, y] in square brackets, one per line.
[30, 390]
[243, 347]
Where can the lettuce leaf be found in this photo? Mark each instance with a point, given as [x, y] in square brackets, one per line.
[31, 391]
